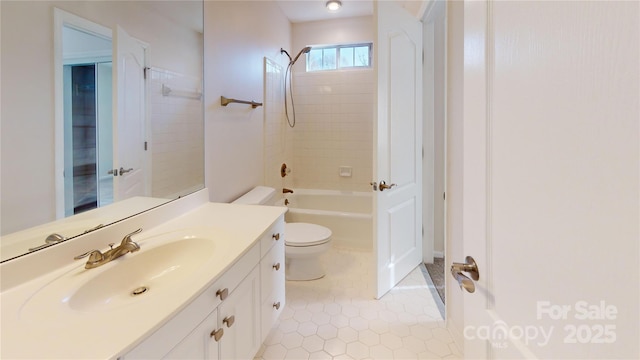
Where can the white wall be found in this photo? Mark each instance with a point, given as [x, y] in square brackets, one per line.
[176, 133]
[27, 166]
[239, 34]
[334, 125]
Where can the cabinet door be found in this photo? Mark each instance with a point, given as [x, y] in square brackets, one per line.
[201, 343]
[239, 316]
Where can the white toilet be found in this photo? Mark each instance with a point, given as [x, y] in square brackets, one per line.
[304, 242]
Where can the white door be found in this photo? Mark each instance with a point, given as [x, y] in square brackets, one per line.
[397, 145]
[550, 185]
[129, 123]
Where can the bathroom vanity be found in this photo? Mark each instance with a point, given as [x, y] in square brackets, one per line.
[207, 283]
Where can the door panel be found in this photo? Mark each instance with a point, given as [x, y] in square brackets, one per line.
[402, 216]
[397, 145]
[402, 107]
[129, 124]
[551, 179]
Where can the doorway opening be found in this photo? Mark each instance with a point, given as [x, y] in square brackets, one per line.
[434, 159]
[88, 136]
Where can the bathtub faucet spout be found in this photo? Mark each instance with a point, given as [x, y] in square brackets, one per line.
[287, 191]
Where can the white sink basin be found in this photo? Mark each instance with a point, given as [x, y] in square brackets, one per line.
[144, 273]
[157, 269]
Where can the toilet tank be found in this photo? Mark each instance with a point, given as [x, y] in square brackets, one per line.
[260, 195]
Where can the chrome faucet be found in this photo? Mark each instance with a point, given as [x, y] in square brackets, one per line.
[97, 258]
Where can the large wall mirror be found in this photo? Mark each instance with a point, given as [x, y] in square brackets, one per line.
[101, 115]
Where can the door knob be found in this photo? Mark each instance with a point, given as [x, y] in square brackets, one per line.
[123, 171]
[383, 185]
[470, 267]
[464, 281]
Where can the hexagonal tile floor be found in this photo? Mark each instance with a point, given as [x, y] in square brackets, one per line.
[336, 317]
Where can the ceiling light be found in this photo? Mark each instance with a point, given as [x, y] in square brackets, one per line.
[334, 5]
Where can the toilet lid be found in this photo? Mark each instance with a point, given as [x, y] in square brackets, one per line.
[305, 234]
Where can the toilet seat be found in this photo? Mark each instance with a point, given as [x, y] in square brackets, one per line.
[305, 234]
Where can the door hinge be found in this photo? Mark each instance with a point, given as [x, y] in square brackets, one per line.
[145, 146]
[444, 196]
[145, 72]
[423, 152]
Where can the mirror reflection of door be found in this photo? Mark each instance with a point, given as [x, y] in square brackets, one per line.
[101, 138]
[88, 150]
[130, 154]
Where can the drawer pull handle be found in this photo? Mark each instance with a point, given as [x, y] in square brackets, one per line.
[277, 266]
[229, 320]
[222, 293]
[277, 305]
[276, 236]
[217, 334]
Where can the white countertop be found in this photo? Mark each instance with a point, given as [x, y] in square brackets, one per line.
[56, 331]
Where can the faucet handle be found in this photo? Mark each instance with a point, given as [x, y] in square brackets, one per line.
[127, 238]
[96, 255]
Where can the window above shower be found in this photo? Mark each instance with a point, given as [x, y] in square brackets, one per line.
[339, 57]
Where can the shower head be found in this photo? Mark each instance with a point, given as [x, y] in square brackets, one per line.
[305, 51]
[285, 51]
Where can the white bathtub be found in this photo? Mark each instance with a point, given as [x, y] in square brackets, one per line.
[347, 213]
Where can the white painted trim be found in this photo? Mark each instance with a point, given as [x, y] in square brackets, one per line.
[438, 254]
[428, 151]
[425, 7]
[456, 335]
[87, 57]
[62, 18]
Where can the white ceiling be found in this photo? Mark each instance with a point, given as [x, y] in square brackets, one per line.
[312, 10]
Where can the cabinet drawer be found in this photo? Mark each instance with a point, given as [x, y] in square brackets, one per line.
[274, 235]
[223, 287]
[272, 270]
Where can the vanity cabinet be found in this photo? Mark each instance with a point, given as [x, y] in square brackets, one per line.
[201, 343]
[239, 317]
[272, 280]
[233, 316]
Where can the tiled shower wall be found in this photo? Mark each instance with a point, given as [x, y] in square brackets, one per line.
[177, 140]
[334, 128]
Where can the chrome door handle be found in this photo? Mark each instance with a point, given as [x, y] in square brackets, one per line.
[383, 185]
[123, 171]
[470, 267]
